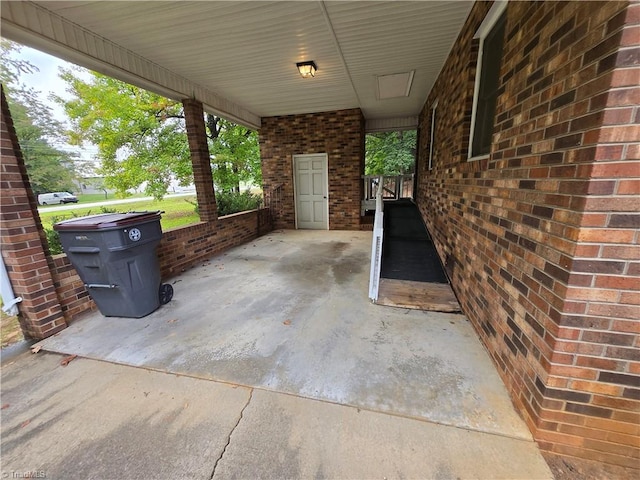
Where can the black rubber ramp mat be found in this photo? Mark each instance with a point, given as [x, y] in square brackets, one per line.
[407, 250]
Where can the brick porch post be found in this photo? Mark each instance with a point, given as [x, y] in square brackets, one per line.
[201, 160]
[24, 247]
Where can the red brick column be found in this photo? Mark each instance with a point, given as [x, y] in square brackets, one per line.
[596, 355]
[201, 160]
[24, 248]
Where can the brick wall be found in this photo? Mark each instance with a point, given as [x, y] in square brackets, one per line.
[182, 248]
[23, 250]
[74, 298]
[541, 239]
[340, 135]
[598, 355]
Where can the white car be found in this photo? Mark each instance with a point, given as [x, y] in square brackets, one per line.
[56, 198]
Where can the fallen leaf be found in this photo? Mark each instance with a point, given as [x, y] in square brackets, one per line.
[287, 322]
[36, 349]
[6, 405]
[66, 360]
[25, 423]
[186, 405]
[172, 321]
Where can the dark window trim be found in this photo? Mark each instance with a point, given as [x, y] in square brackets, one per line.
[432, 134]
[487, 83]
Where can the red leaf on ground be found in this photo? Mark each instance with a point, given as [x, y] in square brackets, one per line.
[65, 361]
[287, 322]
[25, 423]
[6, 405]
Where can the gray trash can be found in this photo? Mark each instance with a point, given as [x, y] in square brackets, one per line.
[115, 256]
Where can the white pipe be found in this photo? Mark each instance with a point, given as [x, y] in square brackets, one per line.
[376, 246]
[9, 301]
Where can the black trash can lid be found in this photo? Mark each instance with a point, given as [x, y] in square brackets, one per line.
[107, 221]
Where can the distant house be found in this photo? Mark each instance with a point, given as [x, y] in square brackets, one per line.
[91, 185]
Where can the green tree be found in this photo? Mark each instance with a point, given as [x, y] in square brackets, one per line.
[235, 154]
[390, 153]
[141, 137]
[50, 169]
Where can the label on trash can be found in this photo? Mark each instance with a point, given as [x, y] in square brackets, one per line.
[135, 235]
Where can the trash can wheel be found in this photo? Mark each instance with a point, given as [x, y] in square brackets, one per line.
[166, 293]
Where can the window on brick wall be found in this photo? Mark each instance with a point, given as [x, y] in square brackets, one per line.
[487, 83]
[432, 135]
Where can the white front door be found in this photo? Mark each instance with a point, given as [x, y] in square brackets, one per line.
[311, 191]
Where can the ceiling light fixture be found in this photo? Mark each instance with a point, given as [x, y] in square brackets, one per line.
[307, 69]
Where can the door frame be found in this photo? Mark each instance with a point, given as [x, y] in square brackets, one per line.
[325, 157]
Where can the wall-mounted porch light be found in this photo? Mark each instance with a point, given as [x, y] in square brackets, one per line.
[307, 69]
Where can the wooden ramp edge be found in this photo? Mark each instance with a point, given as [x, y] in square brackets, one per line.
[434, 297]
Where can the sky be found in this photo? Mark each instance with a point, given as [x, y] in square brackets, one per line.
[46, 82]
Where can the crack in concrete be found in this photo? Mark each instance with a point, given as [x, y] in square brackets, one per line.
[215, 465]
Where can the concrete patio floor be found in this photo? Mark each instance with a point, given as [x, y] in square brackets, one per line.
[278, 366]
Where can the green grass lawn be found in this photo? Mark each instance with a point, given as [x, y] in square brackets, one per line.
[178, 212]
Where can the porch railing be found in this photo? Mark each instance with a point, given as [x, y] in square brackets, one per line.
[376, 246]
[273, 201]
[392, 188]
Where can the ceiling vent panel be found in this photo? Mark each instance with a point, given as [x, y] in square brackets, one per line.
[394, 86]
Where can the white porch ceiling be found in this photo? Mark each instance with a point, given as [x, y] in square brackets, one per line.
[239, 57]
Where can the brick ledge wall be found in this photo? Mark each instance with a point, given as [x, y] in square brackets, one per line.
[180, 249]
